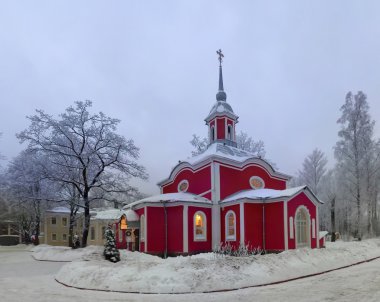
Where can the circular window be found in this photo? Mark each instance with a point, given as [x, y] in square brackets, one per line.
[183, 186]
[256, 182]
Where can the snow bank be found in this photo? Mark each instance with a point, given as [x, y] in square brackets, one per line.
[45, 252]
[138, 272]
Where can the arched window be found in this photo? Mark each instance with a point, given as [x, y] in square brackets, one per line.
[142, 228]
[230, 226]
[302, 227]
[212, 133]
[229, 132]
[200, 226]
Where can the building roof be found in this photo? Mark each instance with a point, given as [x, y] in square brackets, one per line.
[260, 194]
[61, 209]
[221, 108]
[170, 197]
[114, 214]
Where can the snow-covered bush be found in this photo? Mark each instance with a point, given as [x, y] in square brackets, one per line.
[111, 253]
[243, 250]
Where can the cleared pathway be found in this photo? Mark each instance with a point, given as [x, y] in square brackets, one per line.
[24, 279]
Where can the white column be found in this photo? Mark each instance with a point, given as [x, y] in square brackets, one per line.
[185, 229]
[215, 197]
[286, 225]
[317, 224]
[242, 224]
[146, 230]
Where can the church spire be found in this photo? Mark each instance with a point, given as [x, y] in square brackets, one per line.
[221, 95]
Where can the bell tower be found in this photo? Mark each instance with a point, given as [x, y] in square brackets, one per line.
[221, 120]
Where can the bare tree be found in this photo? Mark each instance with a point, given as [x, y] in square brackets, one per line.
[350, 151]
[313, 169]
[86, 152]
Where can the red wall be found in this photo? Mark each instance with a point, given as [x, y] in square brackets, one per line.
[175, 229]
[253, 219]
[155, 230]
[199, 246]
[274, 226]
[220, 124]
[293, 204]
[233, 180]
[236, 209]
[199, 181]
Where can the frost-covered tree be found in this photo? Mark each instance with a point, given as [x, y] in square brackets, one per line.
[243, 141]
[111, 253]
[313, 169]
[351, 150]
[85, 151]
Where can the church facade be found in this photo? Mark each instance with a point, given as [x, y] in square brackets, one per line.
[226, 195]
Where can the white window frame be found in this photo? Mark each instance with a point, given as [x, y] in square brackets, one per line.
[313, 228]
[259, 179]
[212, 133]
[229, 132]
[52, 239]
[308, 226]
[203, 236]
[142, 228]
[230, 237]
[63, 218]
[291, 227]
[182, 182]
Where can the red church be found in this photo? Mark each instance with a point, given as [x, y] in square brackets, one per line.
[226, 195]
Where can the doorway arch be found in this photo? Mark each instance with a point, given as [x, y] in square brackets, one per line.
[302, 226]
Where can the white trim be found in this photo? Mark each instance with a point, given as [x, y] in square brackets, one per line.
[226, 226]
[225, 129]
[286, 240]
[242, 224]
[188, 168]
[142, 228]
[204, 193]
[146, 231]
[313, 228]
[212, 133]
[317, 222]
[291, 225]
[185, 229]
[202, 237]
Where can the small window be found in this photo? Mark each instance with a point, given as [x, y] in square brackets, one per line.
[229, 132]
[183, 186]
[53, 220]
[54, 237]
[142, 228]
[200, 226]
[230, 226]
[92, 233]
[64, 237]
[291, 228]
[64, 221]
[256, 182]
[212, 134]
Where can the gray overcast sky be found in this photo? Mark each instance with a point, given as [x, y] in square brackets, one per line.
[152, 64]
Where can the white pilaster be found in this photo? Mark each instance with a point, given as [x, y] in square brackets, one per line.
[185, 229]
[317, 224]
[146, 230]
[215, 197]
[242, 224]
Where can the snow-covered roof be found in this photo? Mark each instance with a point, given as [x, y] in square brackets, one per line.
[106, 214]
[263, 193]
[170, 197]
[131, 215]
[59, 210]
[219, 149]
[221, 108]
[322, 234]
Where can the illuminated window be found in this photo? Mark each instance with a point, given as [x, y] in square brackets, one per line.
[230, 226]
[53, 220]
[183, 186]
[123, 223]
[200, 226]
[64, 221]
[142, 228]
[256, 182]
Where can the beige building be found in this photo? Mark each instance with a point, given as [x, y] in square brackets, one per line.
[57, 221]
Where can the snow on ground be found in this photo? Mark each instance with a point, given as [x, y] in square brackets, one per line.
[62, 253]
[138, 272]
